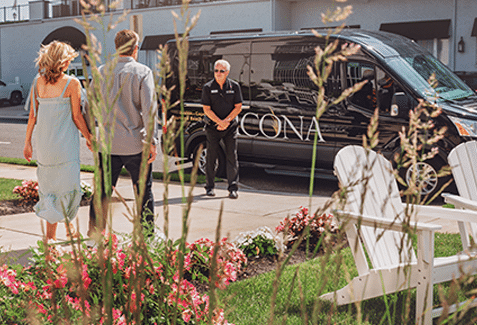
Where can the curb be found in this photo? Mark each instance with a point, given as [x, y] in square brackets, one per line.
[14, 119]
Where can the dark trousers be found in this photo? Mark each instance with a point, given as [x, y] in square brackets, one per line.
[132, 164]
[229, 137]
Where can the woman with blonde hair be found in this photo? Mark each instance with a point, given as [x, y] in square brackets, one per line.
[55, 115]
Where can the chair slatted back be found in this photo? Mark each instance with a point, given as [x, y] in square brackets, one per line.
[372, 190]
[463, 161]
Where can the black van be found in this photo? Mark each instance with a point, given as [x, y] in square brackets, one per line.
[278, 123]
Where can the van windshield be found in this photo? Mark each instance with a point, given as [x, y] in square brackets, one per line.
[417, 70]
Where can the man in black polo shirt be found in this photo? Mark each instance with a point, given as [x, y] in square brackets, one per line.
[222, 102]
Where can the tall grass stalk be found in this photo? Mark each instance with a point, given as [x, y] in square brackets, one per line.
[335, 259]
[182, 44]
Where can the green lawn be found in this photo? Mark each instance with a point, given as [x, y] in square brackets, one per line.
[6, 188]
[248, 301]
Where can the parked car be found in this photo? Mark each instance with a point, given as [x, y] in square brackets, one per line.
[11, 92]
[277, 123]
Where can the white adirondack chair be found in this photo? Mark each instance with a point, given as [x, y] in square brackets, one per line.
[373, 220]
[463, 160]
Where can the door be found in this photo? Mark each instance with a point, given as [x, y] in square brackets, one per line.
[377, 93]
[283, 104]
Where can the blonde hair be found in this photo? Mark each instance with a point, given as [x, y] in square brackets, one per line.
[52, 58]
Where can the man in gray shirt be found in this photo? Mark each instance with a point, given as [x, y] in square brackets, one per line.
[129, 119]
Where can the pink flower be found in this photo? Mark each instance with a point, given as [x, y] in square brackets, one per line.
[186, 315]
[85, 277]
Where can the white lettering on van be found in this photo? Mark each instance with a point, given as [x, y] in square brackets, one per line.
[277, 126]
[314, 122]
[286, 121]
[242, 124]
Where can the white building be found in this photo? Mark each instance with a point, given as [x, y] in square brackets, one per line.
[447, 28]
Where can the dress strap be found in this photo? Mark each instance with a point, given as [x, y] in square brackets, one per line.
[66, 86]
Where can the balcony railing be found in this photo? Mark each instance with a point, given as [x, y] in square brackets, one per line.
[66, 8]
[14, 13]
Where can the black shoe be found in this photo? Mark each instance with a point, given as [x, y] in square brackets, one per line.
[233, 194]
[210, 192]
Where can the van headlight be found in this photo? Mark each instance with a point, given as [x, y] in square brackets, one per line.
[464, 126]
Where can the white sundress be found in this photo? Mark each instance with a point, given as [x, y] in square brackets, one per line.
[57, 147]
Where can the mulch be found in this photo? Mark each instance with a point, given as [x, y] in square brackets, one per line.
[8, 207]
[262, 264]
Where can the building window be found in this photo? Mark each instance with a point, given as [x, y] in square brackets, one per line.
[438, 47]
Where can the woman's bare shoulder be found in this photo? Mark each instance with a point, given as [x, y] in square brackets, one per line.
[74, 83]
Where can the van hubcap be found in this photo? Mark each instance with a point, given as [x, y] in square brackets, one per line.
[426, 177]
[203, 160]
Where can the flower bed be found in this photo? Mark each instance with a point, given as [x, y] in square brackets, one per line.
[137, 282]
[81, 284]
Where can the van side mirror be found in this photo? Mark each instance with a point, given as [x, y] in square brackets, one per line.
[400, 104]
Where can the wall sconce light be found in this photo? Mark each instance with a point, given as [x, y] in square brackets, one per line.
[461, 45]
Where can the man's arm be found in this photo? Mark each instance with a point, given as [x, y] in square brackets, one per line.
[210, 114]
[149, 106]
[236, 111]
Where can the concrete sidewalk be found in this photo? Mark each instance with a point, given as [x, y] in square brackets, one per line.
[251, 210]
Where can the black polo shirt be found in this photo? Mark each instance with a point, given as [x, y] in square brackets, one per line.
[221, 101]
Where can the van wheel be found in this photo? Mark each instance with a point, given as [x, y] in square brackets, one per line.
[16, 98]
[427, 177]
[219, 164]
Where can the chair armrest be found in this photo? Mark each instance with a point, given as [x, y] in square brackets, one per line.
[459, 201]
[446, 213]
[379, 222]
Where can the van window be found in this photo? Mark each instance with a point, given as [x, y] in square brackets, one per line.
[358, 72]
[377, 92]
[416, 70]
[200, 66]
[280, 74]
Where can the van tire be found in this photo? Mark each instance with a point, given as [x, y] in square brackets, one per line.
[220, 165]
[15, 98]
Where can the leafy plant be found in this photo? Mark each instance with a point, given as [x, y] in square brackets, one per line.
[198, 261]
[56, 287]
[312, 227]
[86, 189]
[28, 191]
[259, 242]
